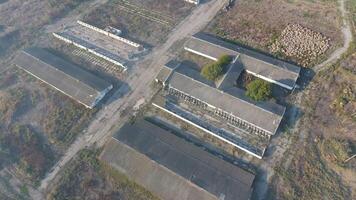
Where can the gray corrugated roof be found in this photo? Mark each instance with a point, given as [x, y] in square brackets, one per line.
[199, 167]
[166, 70]
[253, 61]
[64, 76]
[265, 115]
[231, 76]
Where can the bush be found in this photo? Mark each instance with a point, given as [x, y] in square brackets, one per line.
[259, 90]
[214, 70]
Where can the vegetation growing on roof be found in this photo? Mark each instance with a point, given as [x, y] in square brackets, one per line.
[259, 90]
[216, 69]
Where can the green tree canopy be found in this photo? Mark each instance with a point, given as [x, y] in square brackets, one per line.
[259, 90]
[216, 69]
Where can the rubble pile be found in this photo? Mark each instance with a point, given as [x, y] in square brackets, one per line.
[303, 44]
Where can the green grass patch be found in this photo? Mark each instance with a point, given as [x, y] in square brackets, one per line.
[259, 90]
[215, 70]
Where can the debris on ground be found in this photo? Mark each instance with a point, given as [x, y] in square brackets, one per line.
[301, 43]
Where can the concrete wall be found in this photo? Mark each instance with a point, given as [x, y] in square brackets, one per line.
[121, 39]
[89, 50]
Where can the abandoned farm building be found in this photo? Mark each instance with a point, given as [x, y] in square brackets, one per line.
[173, 168]
[260, 65]
[229, 102]
[69, 79]
[98, 51]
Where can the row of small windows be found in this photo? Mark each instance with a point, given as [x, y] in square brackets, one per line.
[187, 98]
[239, 123]
[218, 112]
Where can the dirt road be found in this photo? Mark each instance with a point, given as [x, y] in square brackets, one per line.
[346, 31]
[109, 119]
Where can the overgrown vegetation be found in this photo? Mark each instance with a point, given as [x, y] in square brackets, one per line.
[336, 150]
[9, 103]
[314, 167]
[26, 148]
[351, 5]
[36, 124]
[65, 122]
[308, 177]
[259, 90]
[215, 70]
[344, 102]
[86, 177]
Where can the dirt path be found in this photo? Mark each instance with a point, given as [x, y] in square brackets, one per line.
[109, 118]
[347, 34]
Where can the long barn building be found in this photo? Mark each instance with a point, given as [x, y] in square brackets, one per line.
[64, 76]
[173, 168]
[258, 64]
[231, 104]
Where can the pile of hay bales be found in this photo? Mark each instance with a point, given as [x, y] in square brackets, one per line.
[300, 43]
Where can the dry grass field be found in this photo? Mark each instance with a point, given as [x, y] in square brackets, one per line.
[147, 22]
[22, 21]
[314, 167]
[259, 23]
[37, 123]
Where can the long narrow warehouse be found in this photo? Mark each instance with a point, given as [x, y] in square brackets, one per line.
[64, 76]
[173, 168]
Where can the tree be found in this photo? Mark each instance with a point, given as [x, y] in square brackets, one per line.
[216, 69]
[259, 90]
